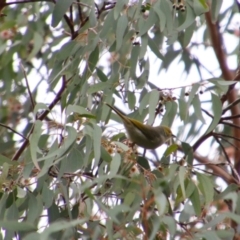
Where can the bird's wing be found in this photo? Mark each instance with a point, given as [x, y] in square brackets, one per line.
[149, 134]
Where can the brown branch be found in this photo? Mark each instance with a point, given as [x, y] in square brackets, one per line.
[200, 141]
[218, 46]
[230, 117]
[217, 170]
[230, 124]
[41, 117]
[210, 115]
[220, 135]
[234, 173]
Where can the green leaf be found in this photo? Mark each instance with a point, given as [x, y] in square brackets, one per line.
[35, 207]
[218, 81]
[145, 25]
[18, 226]
[181, 175]
[166, 7]
[160, 201]
[195, 199]
[80, 110]
[92, 17]
[187, 35]
[118, 7]
[122, 24]
[47, 196]
[183, 109]
[60, 8]
[161, 15]
[200, 7]
[170, 113]
[38, 43]
[97, 143]
[60, 226]
[153, 102]
[188, 151]
[65, 148]
[93, 59]
[33, 140]
[99, 87]
[134, 58]
[204, 3]
[153, 46]
[171, 224]
[215, 9]
[115, 164]
[131, 99]
[107, 25]
[217, 113]
[105, 155]
[197, 108]
[101, 75]
[40, 106]
[206, 186]
[190, 18]
[4, 159]
[171, 149]
[12, 212]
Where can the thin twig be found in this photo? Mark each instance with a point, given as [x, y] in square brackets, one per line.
[230, 124]
[224, 135]
[5, 126]
[201, 140]
[230, 117]
[230, 106]
[210, 115]
[28, 88]
[234, 172]
[79, 11]
[41, 117]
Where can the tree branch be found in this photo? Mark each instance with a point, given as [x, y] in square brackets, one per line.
[41, 117]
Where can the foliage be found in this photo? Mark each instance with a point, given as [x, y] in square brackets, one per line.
[67, 171]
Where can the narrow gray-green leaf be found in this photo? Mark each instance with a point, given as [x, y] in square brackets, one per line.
[99, 87]
[153, 102]
[160, 200]
[37, 45]
[118, 7]
[215, 9]
[97, 136]
[59, 10]
[161, 15]
[115, 164]
[153, 46]
[207, 187]
[195, 199]
[217, 112]
[197, 108]
[93, 59]
[18, 226]
[134, 59]
[190, 18]
[80, 110]
[145, 25]
[122, 24]
[183, 109]
[33, 140]
[181, 175]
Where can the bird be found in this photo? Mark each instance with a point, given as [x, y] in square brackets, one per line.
[144, 135]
